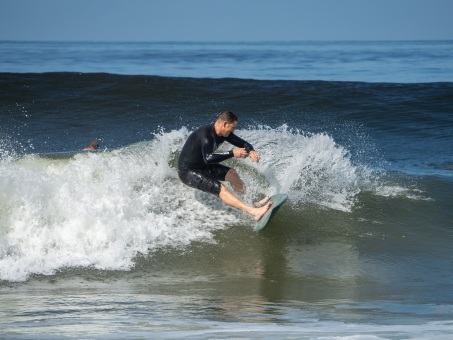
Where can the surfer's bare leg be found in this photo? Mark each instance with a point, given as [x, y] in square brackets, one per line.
[227, 197]
[236, 182]
[239, 187]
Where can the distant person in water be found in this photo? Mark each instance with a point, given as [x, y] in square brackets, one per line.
[198, 163]
[93, 146]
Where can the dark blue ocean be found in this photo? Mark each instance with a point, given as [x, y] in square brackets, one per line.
[111, 245]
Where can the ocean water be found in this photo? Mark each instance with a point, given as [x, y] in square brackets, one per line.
[111, 245]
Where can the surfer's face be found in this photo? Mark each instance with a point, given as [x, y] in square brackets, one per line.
[228, 128]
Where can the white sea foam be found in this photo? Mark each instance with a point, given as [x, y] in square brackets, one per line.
[102, 209]
[391, 190]
[99, 209]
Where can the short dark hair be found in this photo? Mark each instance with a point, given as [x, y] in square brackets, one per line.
[227, 116]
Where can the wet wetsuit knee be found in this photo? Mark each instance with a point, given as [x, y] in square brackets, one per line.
[198, 162]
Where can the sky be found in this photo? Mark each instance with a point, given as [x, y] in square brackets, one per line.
[225, 20]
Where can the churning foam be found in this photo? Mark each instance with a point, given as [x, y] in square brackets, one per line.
[102, 209]
[311, 168]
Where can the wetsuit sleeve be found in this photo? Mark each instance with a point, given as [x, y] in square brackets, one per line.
[210, 157]
[239, 142]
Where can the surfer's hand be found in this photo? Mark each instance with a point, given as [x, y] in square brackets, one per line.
[240, 153]
[254, 156]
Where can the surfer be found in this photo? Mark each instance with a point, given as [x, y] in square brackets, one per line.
[198, 163]
[93, 146]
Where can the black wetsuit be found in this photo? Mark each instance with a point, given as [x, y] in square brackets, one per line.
[198, 163]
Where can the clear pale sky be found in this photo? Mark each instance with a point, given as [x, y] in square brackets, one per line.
[225, 20]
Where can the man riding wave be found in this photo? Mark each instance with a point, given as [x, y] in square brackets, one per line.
[199, 168]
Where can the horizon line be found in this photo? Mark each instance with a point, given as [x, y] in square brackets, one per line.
[220, 41]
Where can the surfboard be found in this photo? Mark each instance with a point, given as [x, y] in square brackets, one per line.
[277, 201]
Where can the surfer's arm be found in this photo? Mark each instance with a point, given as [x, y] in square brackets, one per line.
[212, 157]
[240, 143]
[218, 157]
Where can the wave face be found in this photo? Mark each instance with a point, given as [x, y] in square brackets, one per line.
[58, 112]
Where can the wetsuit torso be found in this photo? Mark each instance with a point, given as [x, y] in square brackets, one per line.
[198, 162]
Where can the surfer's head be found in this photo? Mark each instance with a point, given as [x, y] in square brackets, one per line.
[226, 123]
[227, 116]
[94, 144]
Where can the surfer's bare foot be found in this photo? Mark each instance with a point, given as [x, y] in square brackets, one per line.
[262, 202]
[257, 213]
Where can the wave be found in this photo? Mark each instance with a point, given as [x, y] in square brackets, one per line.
[102, 209]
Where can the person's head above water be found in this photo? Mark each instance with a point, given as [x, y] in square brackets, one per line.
[93, 146]
[226, 123]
